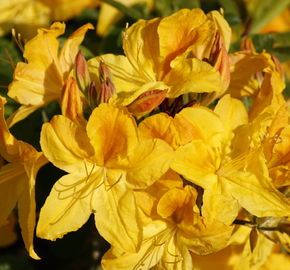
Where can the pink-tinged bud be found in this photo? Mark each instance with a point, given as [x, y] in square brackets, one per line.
[222, 64]
[92, 95]
[220, 59]
[105, 73]
[216, 46]
[71, 104]
[147, 102]
[81, 73]
[279, 67]
[106, 91]
[247, 45]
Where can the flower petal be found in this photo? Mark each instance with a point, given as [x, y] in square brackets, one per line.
[67, 207]
[116, 213]
[65, 144]
[159, 126]
[147, 163]
[113, 133]
[192, 76]
[126, 78]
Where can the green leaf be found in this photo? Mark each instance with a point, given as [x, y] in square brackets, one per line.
[265, 11]
[232, 18]
[282, 39]
[235, 46]
[282, 53]
[263, 42]
[188, 4]
[229, 6]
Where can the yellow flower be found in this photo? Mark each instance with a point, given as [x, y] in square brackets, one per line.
[238, 253]
[104, 165]
[27, 16]
[276, 259]
[17, 184]
[41, 80]
[272, 126]
[176, 228]
[230, 181]
[157, 57]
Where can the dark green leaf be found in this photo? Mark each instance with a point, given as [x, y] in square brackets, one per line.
[232, 18]
[263, 42]
[282, 53]
[282, 39]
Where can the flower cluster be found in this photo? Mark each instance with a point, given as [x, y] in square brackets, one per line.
[156, 144]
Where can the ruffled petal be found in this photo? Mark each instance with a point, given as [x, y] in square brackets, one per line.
[65, 144]
[113, 134]
[192, 76]
[159, 126]
[147, 163]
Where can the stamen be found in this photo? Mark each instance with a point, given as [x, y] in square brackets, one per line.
[155, 242]
[239, 162]
[82, 193]
[136, 64]
[110, 186]
[17, 39]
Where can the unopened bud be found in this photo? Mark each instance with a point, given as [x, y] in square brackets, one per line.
[71, 104]
[81, 73]
[220, 59]
[105, 73]
[247, 45]
[106, 91]
[92, 95]
[146, 102]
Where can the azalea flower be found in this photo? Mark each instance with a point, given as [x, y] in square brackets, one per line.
[239, 254]
[27, 16]
[272, 125]
[157, 57]
[104, 165]
[207, 159]
[17, 181]
[41, 80]
[175, 229]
